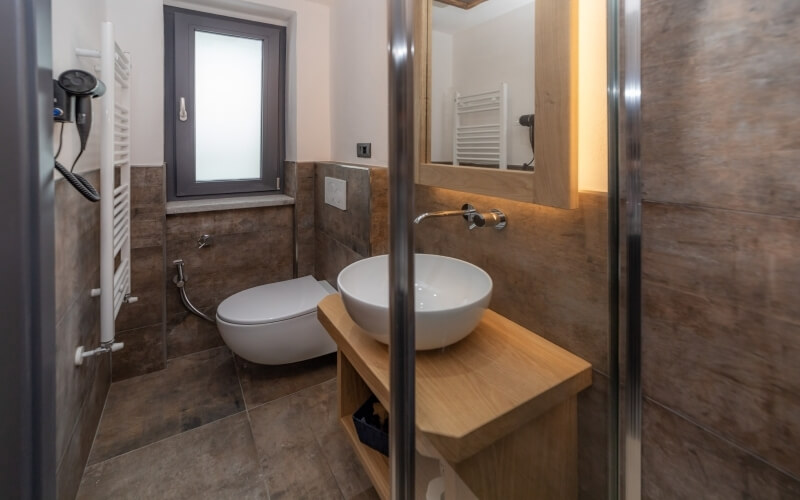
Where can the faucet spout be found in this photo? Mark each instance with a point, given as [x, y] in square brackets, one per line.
[493, 218]
[444, 213]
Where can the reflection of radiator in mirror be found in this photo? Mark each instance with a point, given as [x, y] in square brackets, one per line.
[480, 128]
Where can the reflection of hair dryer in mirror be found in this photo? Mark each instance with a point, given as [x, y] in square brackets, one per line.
[527, 121]
[84, 86]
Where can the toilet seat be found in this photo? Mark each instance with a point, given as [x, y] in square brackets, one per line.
[274, 302]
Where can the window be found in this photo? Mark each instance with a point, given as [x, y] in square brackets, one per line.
[224, 105]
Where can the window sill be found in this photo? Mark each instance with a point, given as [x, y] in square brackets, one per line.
[215, 204]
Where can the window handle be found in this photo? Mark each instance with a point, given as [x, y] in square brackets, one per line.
[182, 116]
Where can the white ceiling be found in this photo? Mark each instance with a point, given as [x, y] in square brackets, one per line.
[450, 19]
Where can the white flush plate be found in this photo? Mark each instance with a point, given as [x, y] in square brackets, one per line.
[336, 193]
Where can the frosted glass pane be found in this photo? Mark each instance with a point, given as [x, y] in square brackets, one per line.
[227, 86]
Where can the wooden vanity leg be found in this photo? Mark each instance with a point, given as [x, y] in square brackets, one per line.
[537, 461]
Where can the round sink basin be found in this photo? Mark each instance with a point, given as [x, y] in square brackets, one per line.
[450, 298]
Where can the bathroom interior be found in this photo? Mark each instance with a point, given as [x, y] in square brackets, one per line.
[600, 199]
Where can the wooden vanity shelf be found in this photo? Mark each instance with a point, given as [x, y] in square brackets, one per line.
[499, 407]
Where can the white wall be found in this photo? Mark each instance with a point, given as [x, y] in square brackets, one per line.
[487, 54]
[359, 80]
[140, 30]
[76, 23]
[337, 75]
[309, 84]
[441, 97]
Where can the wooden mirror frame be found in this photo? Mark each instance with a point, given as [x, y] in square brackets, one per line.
[555, 179]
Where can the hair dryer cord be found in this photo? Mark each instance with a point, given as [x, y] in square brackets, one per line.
[78, 182]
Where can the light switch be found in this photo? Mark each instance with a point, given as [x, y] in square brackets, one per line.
[336, 192]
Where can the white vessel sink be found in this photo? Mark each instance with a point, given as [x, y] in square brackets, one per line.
[450, 295]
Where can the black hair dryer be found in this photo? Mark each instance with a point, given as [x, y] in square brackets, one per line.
[84, 86]
[528, 121]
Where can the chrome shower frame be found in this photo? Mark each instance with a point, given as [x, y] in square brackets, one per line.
[630, 164]
[402, 157]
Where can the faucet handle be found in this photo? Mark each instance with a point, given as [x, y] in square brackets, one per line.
[469, 213]
[493, 218]
[472, 216]
[205, 240]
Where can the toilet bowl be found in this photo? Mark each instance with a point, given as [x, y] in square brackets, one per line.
[276, 324]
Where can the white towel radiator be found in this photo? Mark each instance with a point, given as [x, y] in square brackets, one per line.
[115, 197]
[483, 141]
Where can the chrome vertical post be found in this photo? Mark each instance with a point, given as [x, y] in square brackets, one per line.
[401, 246]
[613, 93]
[632, 112]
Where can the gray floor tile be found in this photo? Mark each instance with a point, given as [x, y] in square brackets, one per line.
[216, 461]
[321, 412]
[262, 383]
[192, 391]
[370, 494]
[293, 462]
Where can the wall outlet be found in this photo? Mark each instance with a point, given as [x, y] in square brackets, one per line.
[364, 149]
[336, 193]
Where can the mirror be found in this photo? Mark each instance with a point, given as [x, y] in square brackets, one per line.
[491, 63]
[482, 82]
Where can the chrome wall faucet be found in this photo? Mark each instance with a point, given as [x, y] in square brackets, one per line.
[493, 218]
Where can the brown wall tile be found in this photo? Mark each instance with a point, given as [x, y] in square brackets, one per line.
[80, 327]
[147, 228]
[728, 368]
[304, 218]
[80, 391]
[720, 107]
[379, 211]
[721, 326]
[290, 189]
[71, 466]
[343, 237]
[681, 460]
[144, 352]
[148, 202]
[148, 176]
[734, 257]
[77, 243]
[148, 187]
[350, 227]
[148, 239]
[147, 284]
[332, 257]
[186, 333]
[290, 178]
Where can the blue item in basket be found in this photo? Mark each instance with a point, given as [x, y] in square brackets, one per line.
[371, 431]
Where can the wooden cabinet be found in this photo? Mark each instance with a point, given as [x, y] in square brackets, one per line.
[499, 407]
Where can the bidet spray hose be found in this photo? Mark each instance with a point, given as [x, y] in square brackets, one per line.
[180, 282]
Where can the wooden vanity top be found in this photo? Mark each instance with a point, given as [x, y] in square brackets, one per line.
[474, 392]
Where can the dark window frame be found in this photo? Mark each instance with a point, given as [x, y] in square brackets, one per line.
[179, 137]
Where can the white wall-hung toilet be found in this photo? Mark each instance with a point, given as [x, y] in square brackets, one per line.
[276, 324]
